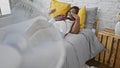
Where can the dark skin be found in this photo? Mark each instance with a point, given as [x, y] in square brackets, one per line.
[71, 15]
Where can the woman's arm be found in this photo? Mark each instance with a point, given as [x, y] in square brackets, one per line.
[59, 17]
[52, 11]
[76, 26]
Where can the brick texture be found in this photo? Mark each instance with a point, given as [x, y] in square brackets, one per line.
[107, 10]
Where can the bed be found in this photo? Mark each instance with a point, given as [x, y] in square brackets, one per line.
[78, 48]
[29, 38]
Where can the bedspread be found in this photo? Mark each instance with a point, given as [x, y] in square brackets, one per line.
[80, 48]
[32, 47]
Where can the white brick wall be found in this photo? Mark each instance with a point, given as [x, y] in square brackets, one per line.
[106, 13]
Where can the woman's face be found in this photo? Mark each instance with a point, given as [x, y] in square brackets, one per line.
[71, 11]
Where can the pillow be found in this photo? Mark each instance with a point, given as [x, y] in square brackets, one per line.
[61, 8]
[82, 15]
[91, 14]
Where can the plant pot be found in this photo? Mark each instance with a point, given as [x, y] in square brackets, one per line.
[117, 28]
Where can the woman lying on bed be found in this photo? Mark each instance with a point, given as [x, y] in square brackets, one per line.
[69, 23]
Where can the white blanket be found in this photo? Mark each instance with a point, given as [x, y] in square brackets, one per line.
[44, 48]
[35, 42]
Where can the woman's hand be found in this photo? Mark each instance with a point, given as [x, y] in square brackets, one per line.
[60, 17]
[52, 11]
[75, 16]
[76, 26]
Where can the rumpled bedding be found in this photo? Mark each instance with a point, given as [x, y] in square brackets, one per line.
[80, 48]
[37, 45]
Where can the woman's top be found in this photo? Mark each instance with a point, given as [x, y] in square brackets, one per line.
[63, 26]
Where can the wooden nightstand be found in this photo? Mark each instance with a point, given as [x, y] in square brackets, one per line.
[111, 42]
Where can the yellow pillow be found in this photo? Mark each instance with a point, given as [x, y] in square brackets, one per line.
[82, 15]
[61, 8]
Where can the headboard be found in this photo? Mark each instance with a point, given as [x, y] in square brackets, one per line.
[96, 24]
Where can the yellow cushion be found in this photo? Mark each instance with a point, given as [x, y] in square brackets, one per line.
[61, 8]
[82, 15]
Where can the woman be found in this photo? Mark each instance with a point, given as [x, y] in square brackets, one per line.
[71, 21]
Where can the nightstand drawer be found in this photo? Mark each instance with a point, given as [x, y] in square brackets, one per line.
[111, 56]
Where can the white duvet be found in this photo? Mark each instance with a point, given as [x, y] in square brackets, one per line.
[40, 45]
[34, 45]
[37, 44]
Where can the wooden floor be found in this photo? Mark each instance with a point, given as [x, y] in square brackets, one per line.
[96, 64]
